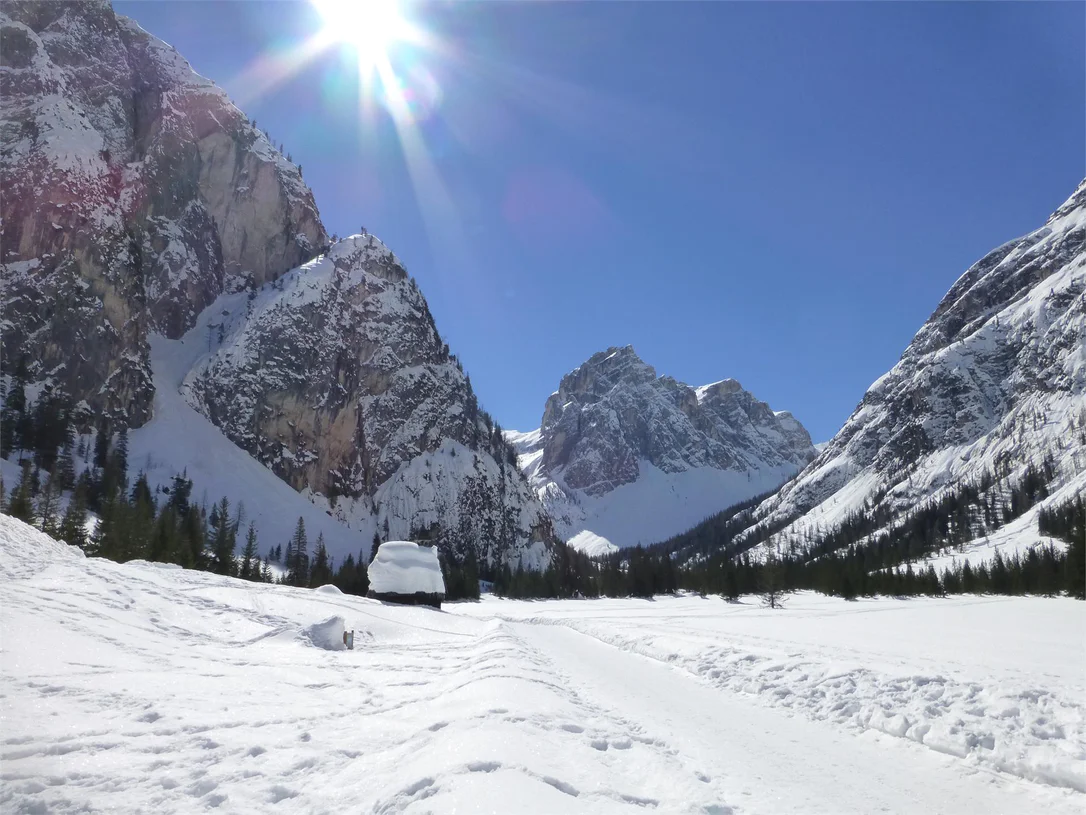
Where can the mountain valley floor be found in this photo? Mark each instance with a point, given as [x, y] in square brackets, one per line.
[145, 687]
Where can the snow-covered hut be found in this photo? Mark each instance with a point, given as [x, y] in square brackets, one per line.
[404, 572]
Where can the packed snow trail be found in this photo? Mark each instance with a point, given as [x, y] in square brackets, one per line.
[763, 760]
[144, 687]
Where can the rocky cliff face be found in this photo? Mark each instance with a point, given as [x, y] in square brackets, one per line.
[336, 378]
[993, 382]
[134, 193]
[136, 196]
[634, 457]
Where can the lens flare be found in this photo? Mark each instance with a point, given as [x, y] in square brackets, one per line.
[373, 28]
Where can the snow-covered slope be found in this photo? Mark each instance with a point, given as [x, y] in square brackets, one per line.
[147, 688]
[994, 382]
[635, 458]
[335, 378]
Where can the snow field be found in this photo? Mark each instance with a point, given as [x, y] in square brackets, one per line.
[145, 687]
[930, 671]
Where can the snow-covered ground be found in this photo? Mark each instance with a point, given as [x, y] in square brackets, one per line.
[142, 687]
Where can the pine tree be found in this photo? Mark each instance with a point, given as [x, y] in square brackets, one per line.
[140, 534]
[321, 573]
[20, 506]
[250, 560]
[299, 569]
[48, 506]
[288, 562]
[166, 541]
[376, 545]
[13, 415]
[101, 445]
[66, 463]
[221, 538]
[73, 527]
[772, 579]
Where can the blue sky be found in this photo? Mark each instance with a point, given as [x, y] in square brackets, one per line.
[779, 193]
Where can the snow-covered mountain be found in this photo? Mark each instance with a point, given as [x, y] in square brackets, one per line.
[155, 239]
[134, 194]
[624, 457]
[336, 378]
[993, 383]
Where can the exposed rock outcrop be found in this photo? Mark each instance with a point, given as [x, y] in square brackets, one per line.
[134, 192]
[634, 457]
[337, 379]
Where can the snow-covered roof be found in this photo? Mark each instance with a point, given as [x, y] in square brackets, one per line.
[404, 567]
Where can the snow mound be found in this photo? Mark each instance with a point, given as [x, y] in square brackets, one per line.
[24, 551]
[404, 567]
[591, 544]
[327, 634]
[328, 588]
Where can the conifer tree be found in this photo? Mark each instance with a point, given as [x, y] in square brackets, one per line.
[48, 502]
[20, 506]
[299, 569]
[772, 579]
[221, 539]
[288, 561]
[321, 572]
[73, 527]
[250, 559]
[165, 545]
[140, 532]
[12, 418]
[66, 463]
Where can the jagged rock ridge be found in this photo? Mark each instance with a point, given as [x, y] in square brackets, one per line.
[634, 457]
[994, 382]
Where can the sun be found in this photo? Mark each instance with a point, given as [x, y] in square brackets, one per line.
[371, 27]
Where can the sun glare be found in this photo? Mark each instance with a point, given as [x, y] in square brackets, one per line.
[371, 27]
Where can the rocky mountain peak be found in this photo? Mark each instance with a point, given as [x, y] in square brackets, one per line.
[335, 377]
[613, 423]
[134, 194]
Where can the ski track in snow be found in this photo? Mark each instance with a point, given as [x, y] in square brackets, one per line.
[143, 687]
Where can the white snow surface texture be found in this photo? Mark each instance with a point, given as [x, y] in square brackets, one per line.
[404, 567]
[145, 687]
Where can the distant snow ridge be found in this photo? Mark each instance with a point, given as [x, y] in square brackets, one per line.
[994, 381]
[634, 458]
